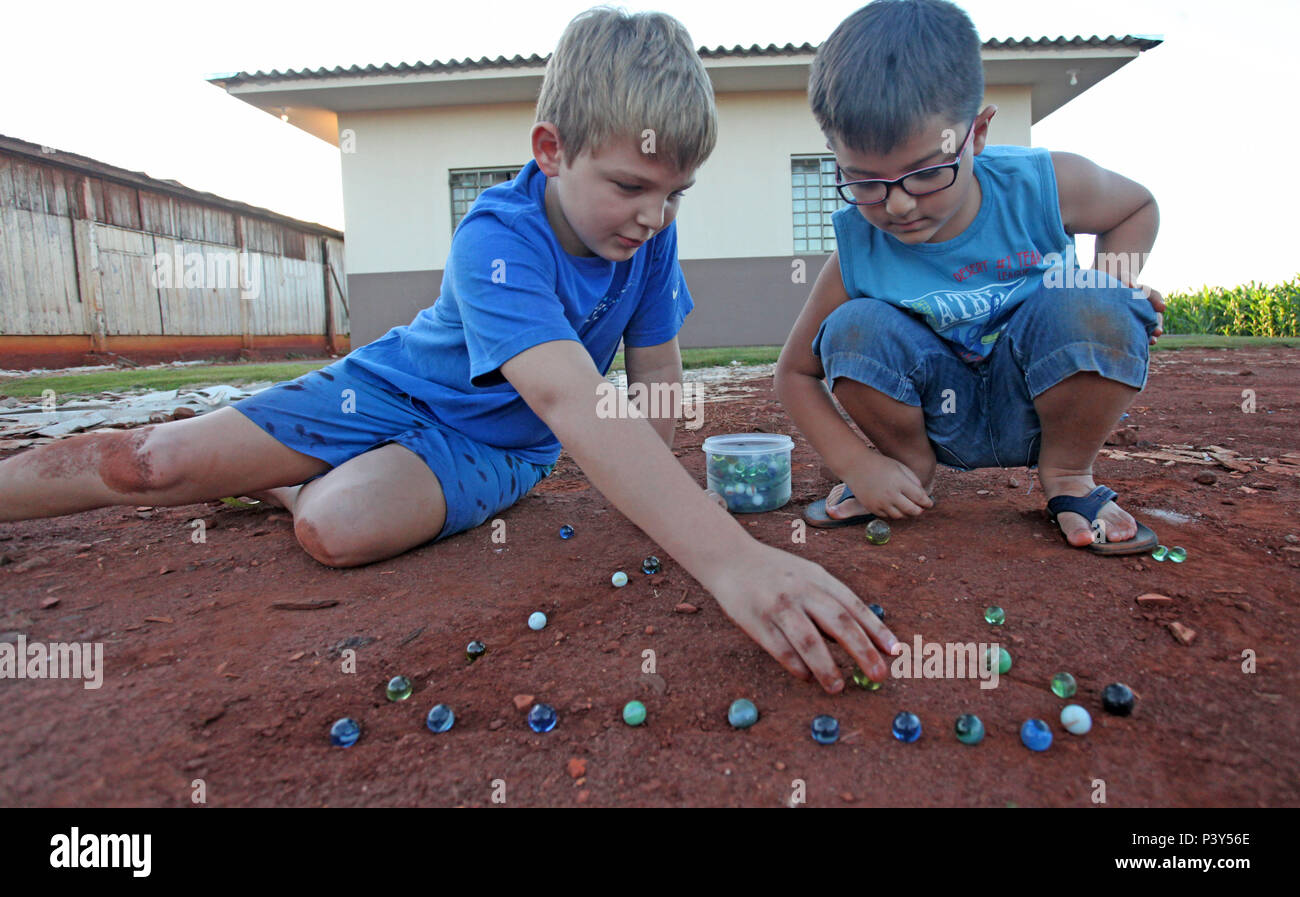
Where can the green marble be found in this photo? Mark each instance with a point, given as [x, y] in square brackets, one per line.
[1063, 685]
[399, 688]
[862, 680]
[634, 713]
[1178, 554]
[878, 532]
[1159, 553]
[1004, 660]
[995, 615]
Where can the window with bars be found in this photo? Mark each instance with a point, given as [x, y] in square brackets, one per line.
[813, 197]
[468, 183]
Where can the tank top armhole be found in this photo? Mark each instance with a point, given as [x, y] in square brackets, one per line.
[1052, 199]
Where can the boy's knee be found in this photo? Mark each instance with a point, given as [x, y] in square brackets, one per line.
[326, 541]
[1111, 316]
[137, 461]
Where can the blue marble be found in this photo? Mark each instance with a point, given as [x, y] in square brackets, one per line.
[474, 650]
[742, 713]
[619, 579]
[537, 621]
[651, 565]
[907, 727]
[1117, 698]
[969, 729]
[345, 732]
[825, 729]
[566, 532]
[542, 718]
[877, 610]
[1036, 735]
[440, 718]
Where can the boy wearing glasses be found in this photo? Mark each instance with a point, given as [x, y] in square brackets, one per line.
[941, 322]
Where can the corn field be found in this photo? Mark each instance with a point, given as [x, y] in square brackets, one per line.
[1250, 310]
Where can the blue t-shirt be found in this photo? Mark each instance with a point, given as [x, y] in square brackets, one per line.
[509, 286]
[966, 287]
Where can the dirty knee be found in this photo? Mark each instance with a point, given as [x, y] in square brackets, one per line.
[126, 465]
[322, 542]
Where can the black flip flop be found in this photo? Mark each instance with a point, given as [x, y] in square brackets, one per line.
[1088, 507]
[816, 514]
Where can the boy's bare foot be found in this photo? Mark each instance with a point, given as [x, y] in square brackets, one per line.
[1120, 525]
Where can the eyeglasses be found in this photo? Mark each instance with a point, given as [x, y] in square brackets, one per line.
[921, 182]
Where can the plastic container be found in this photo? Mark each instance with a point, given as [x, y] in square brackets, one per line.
[750, 470]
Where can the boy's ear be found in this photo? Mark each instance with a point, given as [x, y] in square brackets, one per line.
[547, 149]
[982, 128]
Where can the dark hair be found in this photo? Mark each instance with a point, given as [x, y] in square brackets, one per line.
[892, 66]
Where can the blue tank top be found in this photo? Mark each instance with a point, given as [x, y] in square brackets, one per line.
[966, 288]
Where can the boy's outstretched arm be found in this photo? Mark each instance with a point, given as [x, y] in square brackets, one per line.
[1121, 212]
[778, 599]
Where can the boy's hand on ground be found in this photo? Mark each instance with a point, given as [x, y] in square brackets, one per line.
[888, 488]
[781, 601]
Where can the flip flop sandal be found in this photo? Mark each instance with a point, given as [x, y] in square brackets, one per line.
[1088, 507]
[816, 514]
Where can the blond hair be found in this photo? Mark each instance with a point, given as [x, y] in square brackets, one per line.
[616, 75]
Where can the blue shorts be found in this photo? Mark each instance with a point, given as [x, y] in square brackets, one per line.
[334, 415]
[982, 414]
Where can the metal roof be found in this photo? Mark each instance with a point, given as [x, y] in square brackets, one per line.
[1141, 43]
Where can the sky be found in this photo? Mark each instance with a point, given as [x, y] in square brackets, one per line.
[125, 84]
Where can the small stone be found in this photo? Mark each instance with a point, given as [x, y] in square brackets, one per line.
[649, 630]
[31, 564]
[906, 727]
[651, 565]
[566, 532]
[825, 729]
[995, 615]
[1075, 719]
[634, 713]
[1123, 436]
[399, 688]
[878, 532]
[1064, 686]
[1013, 483]
[780, 767]
[969, 729]
[345, 732]
[537, 621]
[542, 718]
[1151, 599]
[1185, 634]
[440, 718]
[619, 579]
[52, 601]
[1205, 478]
[1118, 699]
[584, 795]
[1177, 554]
[522, 701]
[1035, 735]
[686, 608]
[577, 767]
[496, 724]
[182, 413]
[474, 650]
[983, 492]
[742, 713]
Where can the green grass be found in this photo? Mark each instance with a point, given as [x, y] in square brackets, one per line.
[160, 378]
[1172, 341]
[1250, 310]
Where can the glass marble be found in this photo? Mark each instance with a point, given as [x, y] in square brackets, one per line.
[877, 610]
[1004, 660]
[751, 482]
[1035, 735]
[995, 615]
[1064, 686]
[542, 718]
[878, 532]
[825, 729]
[619, 579]
[742, 713]
[537, 621]
[474, 650]
[651, 565]
[1178, 554]
[1117, 698]
[566, 532]
[862, 680]
[440, 718]
[907, 727]
[345, 732]
[634, 713]
[1159, 553]
[969, 729]
[399, 688]
[1075, 719]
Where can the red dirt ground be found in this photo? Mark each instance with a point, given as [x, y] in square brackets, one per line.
[240, 695]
